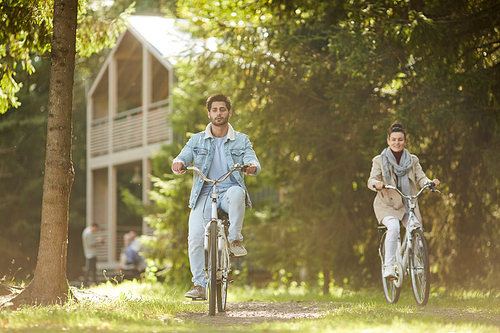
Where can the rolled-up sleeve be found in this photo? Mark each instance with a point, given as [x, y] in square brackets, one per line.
[250, 156]
[186, 154]
[375, 174]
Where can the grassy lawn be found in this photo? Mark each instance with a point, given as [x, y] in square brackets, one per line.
[136, 307]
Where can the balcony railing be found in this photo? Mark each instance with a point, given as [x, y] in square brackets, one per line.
[127, 129]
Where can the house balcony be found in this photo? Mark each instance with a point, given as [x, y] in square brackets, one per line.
[127, 134]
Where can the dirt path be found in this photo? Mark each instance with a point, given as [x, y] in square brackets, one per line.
[249, 313]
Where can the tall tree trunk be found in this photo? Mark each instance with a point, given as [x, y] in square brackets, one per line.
[50, 284]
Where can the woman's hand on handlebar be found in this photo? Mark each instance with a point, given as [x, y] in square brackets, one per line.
[436, 182]
[179, 167]
[379, 185]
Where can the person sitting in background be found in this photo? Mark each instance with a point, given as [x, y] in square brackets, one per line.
[132, 249]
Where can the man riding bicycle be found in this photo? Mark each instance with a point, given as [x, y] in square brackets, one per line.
[215, 151]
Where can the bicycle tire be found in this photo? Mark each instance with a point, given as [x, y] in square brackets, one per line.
[419, 269]
[223, 281]
[212, 267]
[391, 291]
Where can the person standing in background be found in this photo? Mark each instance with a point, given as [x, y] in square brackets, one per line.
[90, 251]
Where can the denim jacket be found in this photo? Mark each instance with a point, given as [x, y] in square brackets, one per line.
[200, 149]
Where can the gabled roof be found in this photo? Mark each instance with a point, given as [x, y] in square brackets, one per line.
[164, 34]
[163, 37]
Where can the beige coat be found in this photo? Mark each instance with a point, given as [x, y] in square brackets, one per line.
[388, 202]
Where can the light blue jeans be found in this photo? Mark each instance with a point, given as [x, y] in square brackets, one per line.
[232, 202]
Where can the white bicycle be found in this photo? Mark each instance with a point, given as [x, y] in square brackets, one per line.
[217, 253]
[412, 255]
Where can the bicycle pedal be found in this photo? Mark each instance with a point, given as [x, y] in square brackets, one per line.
[199, 299]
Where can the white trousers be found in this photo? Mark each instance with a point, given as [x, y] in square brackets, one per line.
[232, 202]
[391, 237]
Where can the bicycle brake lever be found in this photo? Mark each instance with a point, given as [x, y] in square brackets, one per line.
[240, 167]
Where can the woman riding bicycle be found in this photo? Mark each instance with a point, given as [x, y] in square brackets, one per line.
[395, 166]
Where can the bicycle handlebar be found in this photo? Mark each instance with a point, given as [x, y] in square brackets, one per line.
[236, 167]
[429, 185]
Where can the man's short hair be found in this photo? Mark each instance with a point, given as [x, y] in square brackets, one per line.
[219, 98]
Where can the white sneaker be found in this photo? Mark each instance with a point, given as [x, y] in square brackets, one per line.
[389, 272]
[237, 249]
[196, 292]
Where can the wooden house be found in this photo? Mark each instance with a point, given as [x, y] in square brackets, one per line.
[128, 117]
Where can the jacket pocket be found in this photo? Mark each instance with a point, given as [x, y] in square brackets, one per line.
[237, 155]
[386, 198]
[200, 154]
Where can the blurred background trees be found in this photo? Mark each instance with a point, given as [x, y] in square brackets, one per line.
[316, 85]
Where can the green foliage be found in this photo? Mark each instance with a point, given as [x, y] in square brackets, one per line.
[97, 28]
[316, 83]
[24, 44]
[167, 253]
[22, 152]
[26, 28]
[27, 33]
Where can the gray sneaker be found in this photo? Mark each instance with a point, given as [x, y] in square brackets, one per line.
[196, 292]
[237, 249]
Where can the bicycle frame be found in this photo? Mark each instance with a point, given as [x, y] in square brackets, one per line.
[215, 197]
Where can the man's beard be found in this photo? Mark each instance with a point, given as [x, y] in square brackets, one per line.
[220, 122]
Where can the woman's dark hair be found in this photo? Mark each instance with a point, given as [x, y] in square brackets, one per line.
[219, 98]
[395, 128]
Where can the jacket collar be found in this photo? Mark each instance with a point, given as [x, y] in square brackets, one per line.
[230, 132]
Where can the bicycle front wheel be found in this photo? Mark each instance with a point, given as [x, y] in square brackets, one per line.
[419, 269]
[212, 268]
[391, 291]
[222, 278]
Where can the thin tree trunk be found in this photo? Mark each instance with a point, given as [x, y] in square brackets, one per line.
[326, 274]
[50, 284]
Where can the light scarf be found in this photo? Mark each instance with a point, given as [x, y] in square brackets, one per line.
[400, 170]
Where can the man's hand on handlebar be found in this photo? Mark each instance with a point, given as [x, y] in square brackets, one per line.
[178, 167]
[250, 169]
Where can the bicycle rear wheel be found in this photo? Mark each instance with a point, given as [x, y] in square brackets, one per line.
[391, 291]
[212, 268]
[419, 269]
[222, 278]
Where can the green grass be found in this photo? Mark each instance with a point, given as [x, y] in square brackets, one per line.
[136, 307]
[131, 307]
